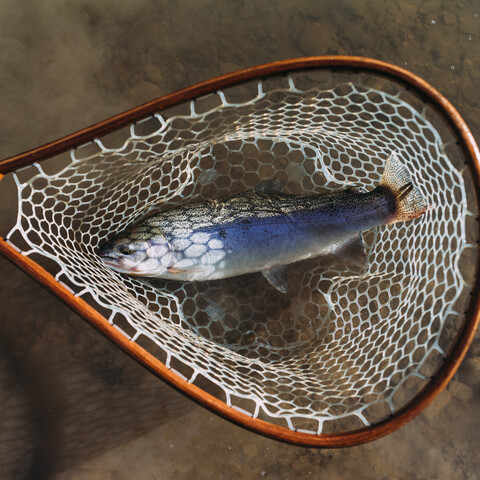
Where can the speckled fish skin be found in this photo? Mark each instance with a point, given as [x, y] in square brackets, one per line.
[258, 231]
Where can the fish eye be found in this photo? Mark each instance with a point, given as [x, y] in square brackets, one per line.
[125, 249]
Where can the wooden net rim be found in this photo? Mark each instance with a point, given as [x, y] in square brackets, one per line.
[355, 64]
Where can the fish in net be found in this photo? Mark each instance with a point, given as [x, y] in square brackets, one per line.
[347, 351]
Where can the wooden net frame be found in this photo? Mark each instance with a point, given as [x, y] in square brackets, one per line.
[344, 436]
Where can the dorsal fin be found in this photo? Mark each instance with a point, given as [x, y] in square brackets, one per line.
[275, 185]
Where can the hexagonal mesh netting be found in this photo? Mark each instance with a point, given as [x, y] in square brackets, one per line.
[346, 346]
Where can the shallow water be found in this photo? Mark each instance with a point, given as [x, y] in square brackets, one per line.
[75, 406]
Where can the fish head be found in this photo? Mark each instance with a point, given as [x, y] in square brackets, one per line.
[146, 257]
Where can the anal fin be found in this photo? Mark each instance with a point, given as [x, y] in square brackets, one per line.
[353, 251]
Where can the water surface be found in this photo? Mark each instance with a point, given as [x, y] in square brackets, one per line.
[76, 407]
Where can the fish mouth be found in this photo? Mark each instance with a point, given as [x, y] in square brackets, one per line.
[118, 267]
[112, 261]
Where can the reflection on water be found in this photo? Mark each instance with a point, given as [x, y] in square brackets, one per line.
[71, 401]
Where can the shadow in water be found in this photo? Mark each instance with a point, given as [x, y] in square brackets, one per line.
[67, 394]
[248, 315]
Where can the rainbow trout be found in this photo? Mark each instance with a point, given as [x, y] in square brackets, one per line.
[261, 230]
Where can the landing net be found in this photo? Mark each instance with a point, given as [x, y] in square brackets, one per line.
[345, 347]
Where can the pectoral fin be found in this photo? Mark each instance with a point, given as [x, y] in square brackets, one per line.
[353, 251]
[175, 270]
[277, 277]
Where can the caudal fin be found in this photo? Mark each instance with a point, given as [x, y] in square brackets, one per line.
[410, 201]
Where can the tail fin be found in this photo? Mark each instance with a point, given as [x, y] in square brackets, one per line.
[410, 201]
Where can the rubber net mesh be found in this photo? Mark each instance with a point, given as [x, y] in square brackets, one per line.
[346, 346]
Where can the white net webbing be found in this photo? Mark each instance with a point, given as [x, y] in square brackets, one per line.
[343, 344]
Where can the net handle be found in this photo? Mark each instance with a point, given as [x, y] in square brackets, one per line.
[365, 434]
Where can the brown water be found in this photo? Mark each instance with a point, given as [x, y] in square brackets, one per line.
[73, 406]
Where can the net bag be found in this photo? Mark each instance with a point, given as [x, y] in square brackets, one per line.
[349, 353]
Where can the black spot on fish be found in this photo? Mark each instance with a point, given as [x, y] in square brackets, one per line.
[223, 233]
